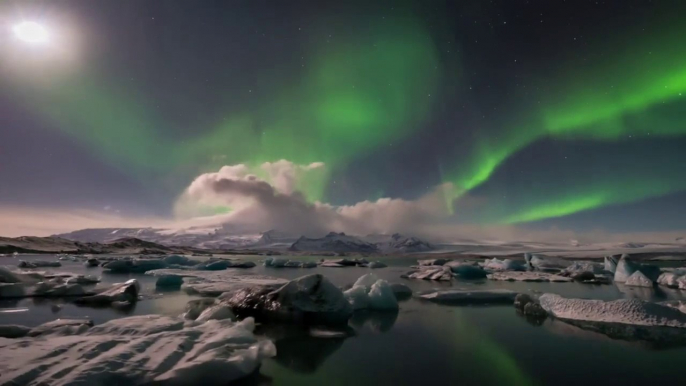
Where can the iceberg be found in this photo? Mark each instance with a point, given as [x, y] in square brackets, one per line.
[638, 279]
[610, 263]
[466, 271]
[676, 279]
[370, 292]
[431, 273]
[120, 293]
[471, 296]
[629, 312]
[532, 276]
[503, 265]
[308, 299]
[626, 267]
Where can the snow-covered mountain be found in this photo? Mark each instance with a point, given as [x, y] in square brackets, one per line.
[208, 238]
[334, 242]
[399, 243]
[275, 239]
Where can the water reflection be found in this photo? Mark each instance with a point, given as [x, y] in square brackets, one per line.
[298, 350]
[377, 321]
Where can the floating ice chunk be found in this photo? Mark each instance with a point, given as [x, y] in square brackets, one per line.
[369, 292]
[632, 312]
[471, 296]
[134, 266]
[366, 280]
[545, 263]
[357, 297]
[126, 292]
[503, 265]
[431, 262]
[308, 299]
[466, 271]
[376, 264]
[638, 279]
[532, 276]
[626, 267]
[431, 273]
[584, 266]
[381, 297]
[676, 279]
[610, 263]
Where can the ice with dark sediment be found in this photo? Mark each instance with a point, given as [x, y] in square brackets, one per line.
[215, 283]
[308, 299]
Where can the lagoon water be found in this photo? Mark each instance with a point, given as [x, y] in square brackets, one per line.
[424, 343]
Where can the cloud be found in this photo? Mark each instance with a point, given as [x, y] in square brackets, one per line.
[274, 202]
[269, 197]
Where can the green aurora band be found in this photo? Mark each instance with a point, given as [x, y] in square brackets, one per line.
[623, 99]
[350, 98]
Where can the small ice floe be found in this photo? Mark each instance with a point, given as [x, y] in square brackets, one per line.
[464, 270]
[674, 279]
[148, 349]
[339, 263]
[495, 264]
[371, 293]
[439, 273]
[531, 276]
[545, 263]
[638, 279]
[464, 296]
[216, 283]
[119, 294]
[432, 262]
[38, 264]
[276, 262]
[626, 267]
[610, 263]
[626, 319]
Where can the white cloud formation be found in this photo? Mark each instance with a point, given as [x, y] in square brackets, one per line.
[268, 197]
[274, 202]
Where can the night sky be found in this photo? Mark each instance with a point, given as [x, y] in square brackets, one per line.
[548, 113]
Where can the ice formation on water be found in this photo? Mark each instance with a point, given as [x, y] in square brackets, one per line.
[134, 350]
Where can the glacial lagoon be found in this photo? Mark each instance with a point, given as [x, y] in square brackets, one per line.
[423, 343]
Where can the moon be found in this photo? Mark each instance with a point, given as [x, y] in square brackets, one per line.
[31, 32]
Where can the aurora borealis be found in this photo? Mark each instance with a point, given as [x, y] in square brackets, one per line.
[547, 113]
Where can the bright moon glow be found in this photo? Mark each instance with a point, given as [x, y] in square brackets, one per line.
[31, 32]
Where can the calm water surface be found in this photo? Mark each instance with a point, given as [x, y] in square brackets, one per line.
[424, 343]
